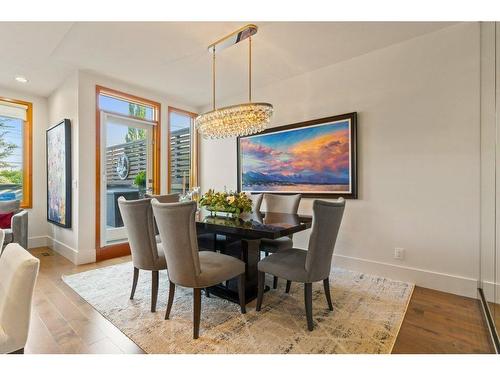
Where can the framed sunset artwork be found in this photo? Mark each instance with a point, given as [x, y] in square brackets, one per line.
[59, 174]
[316, 158]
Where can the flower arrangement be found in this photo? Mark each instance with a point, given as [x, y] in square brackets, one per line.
[234, 203]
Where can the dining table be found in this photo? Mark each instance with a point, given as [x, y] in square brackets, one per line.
[240, 237]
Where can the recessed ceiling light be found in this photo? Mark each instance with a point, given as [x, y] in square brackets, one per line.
[21, 79]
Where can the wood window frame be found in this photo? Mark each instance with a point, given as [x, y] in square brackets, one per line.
[27, 201]
[117, 250]
[195, 151]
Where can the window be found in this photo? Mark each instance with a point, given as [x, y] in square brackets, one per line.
[182, 151]
[15, 150]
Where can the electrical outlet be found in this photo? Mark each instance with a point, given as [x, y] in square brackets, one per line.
[399, 253]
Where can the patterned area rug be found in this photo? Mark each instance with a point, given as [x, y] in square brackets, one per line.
[368, 312]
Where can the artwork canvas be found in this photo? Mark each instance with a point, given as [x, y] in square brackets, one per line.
[59, 174]
[315, 158]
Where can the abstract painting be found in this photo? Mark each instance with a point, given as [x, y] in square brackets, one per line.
[315, 158]
[59, 174]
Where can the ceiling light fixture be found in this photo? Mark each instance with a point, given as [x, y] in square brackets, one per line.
[240, 119]
[21, 79]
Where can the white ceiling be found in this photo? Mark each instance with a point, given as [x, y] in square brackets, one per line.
[172, 58]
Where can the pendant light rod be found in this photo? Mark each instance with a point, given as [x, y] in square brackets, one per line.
[213, 78]
[250, 69]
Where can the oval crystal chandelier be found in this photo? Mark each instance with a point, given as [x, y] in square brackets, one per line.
[240, 119]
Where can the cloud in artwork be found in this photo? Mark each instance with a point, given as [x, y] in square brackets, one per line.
[328, 152]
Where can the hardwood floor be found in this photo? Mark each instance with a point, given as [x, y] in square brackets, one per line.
[62, 322]
[438, 322]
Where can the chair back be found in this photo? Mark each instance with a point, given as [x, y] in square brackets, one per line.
[138, 219]
[18, 273]
[256, 201]
[327, 217]
[176, 223]
[10, 206]
[286, 204]
[165, 198]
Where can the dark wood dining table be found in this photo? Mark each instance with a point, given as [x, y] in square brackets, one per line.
[240, 237]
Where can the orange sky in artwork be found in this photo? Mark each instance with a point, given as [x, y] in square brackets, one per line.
[325, 152]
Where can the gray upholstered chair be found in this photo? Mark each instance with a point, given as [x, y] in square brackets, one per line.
[147, 255]
[187, 266]
[288, 204]
[166, 198]
[18, 231]
[256, 201]
[311, 265]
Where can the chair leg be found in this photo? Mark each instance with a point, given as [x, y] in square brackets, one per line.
[241, 292]
[326, 286]
[260, 291]
[288, 285]
[308, 303]
[266, 253]
[171, 292]
[154, 289]
[196, 312]
[275, 282]
[134, 282]
[207, 293]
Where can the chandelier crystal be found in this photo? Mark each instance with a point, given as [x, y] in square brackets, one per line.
[234, 121]
[240, 119]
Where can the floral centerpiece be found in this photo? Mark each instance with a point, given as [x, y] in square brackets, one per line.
[229, 202]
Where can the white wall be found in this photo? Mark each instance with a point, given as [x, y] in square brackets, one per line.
[418, 142]
[63, 103]
[37, 223]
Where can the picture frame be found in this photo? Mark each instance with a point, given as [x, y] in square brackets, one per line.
[316, 158]
[59, 179]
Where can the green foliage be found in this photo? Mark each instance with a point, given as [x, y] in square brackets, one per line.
[6, 147]
[140, 179]
[135, 134]
[11, 177]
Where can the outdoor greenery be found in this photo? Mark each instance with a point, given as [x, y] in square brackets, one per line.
[140, 179]
[6, 147]
[135, 134]
[11, 177]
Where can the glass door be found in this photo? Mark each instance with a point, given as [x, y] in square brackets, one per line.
[127, 146]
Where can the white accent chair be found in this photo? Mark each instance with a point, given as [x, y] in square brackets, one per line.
[18, 273]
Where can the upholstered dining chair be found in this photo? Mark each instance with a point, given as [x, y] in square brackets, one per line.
[287, 204]
[147, 254]
[187, 266]
[165, 198]
[256, 201]
[18, 273]
[311, 265]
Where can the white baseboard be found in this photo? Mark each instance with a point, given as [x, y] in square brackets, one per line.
[63, 249]
[37, 241]
[428, 279]
[489, 290]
